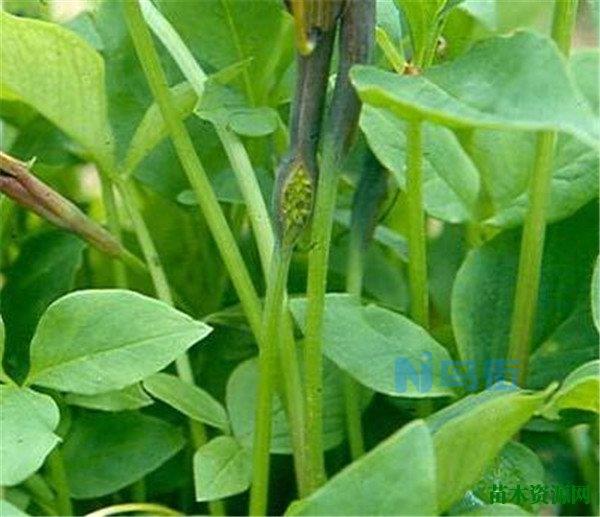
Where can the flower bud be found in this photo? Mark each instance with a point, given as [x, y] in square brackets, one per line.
[19, 184]
[293, 200]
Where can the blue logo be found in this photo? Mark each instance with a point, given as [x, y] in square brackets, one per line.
[468, 375]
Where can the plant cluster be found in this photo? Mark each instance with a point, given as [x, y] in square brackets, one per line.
[312, 257]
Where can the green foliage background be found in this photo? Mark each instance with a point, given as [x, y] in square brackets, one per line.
[87, 364]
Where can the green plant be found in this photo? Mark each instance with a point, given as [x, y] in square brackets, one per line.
[409, 326]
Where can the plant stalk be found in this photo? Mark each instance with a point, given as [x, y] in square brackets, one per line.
[417, 238]
[60, 483]
[352, 395]
[112, 218]
[315, 293]
[273, 316]
[391, 53]
[356, 41]
[534, 227]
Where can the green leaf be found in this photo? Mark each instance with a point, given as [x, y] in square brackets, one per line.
[380, 483]
[451, 181]
[225, 107]
[222, 467]
[105, 452]
[585, 64]
[495, 85]
[241, 403]
[573, 343]
[422, 17]
[388, 18]
[131, 397]
[483, 294]
[188, 399]
[44, 270]
[228, 108]
[95, 341]
[60, 75]
[368, 341]
[129, 98]
[9, 510]
[469, 434]
[384, 279]
[253, 121]
[176, 47]
[515, 465]
[83, 24]
[226, 32]
[227, 189]
[595, 293]
[28, 420]
[578, 391]
[505, 160]
[152, 129]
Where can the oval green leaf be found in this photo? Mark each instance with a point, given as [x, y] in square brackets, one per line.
[469, 434]
[56, 72]
[241, 403]
[131, 397]
[222, 467]
[96, 341]
[396, 478]
[367, 342]
[579, 391]
[105, 452]
[495, 85]
[190, 400]
[28, 420]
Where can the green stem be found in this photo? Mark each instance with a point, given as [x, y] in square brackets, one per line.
[151, 256]
[563, 21]
[263, 231]
[357, 26]
[60, 483]
[216, 221]
[41, 494]
[352, 389]
[112, 216]
[255, 203]
[352, 396]
[417, 243]
[534, 227]
[6, 209]
[273, 315]
[395, 58]
[417, 237]
[316, 288]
